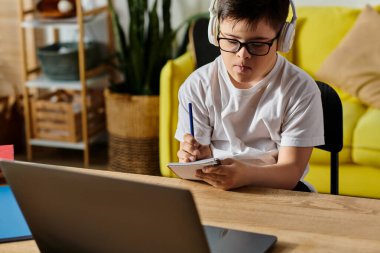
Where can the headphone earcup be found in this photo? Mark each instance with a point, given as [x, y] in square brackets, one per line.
[213, 30]
[286, 38]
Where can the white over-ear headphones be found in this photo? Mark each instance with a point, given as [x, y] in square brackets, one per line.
[285, 39]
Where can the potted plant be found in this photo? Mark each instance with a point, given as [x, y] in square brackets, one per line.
[132, 104]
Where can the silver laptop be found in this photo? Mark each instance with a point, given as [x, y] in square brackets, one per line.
[72, 210]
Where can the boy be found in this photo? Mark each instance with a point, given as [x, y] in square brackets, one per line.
[251, 105]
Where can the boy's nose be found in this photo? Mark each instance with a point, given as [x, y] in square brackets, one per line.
[243, 53]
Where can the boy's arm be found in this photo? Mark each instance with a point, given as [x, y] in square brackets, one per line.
[285, 174]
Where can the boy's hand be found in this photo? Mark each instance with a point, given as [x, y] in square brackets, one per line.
[229, 175]
[190, 150]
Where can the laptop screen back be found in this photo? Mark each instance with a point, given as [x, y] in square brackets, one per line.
[72, 210]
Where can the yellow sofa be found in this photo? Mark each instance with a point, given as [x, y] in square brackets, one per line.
[319, 31]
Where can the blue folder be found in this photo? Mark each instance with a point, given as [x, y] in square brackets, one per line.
[13, 226]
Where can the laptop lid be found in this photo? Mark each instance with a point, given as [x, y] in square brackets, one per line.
[77, 210]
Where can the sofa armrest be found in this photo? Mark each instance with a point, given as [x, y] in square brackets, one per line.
[173, 74]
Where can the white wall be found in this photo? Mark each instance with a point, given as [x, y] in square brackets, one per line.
[181, 9]
[351, 3]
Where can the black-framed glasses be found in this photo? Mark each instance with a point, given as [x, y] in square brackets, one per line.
[253, 47]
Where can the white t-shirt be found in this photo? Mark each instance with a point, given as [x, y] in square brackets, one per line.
[283, 109]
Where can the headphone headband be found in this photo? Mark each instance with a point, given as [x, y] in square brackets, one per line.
[212, 7]
[288, 32]
[294, 16]
[213, 23]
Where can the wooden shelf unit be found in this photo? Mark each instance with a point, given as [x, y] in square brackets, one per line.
[33, 79]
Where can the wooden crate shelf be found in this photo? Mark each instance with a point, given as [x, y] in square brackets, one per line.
[58, 116]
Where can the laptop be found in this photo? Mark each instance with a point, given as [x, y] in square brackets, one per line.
[78, 210]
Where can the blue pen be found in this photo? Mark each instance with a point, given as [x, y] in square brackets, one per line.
[191, 119]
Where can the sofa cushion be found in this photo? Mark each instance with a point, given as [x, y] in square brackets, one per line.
[319, 33]
[366, 141]
[354, 180]
[354, 64]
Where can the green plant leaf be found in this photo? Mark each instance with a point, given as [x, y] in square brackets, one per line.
[146, 47]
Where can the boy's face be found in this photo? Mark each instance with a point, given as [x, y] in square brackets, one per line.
[245, 69]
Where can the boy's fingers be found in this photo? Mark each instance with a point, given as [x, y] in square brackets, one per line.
[216, 169]
[191, 149]
[216, 183]
[226, 161]
[183, 156]
[188, 138]
[210, 176]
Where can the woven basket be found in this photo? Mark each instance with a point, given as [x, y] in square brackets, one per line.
[132, 124]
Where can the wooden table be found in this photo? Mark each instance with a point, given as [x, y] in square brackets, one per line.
[303, 222]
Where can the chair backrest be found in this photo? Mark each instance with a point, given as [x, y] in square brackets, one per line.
[333, 118]
[204, 51]
[333, 128]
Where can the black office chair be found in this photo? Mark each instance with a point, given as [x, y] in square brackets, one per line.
[204, 51]
[332, 106]
[333, 126]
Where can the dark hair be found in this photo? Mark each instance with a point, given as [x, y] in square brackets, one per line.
[274, 12]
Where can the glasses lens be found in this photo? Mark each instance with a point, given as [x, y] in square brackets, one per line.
[258, 48]
[229, 45]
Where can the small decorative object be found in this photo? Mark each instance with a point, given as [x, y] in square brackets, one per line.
[56, 8]
[65, 6]
[60, 61]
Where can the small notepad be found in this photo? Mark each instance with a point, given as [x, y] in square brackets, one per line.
[188, 170]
